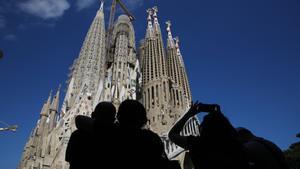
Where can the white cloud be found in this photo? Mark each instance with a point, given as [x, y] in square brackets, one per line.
[10, 37]
[45, 9]
[133, 4]
[130, 4]
[82, 4]
[2, 22]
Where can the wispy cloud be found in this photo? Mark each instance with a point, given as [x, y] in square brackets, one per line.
[2, 22]
[45, 24]
[10, 37]
[131, 4]
[82, 4]
[45, 9]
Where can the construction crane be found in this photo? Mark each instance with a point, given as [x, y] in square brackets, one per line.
[112, 19]
[8, 127]
[113, 11]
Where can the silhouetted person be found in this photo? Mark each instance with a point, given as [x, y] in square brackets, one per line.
[90, 146]
[262, 153]
[217, 147]
[139, 148]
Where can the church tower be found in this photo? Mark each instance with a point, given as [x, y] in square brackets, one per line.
[111, 71]
[166, 93]
[155, 88]
[123, 68]
[89, 68]
[180, 97]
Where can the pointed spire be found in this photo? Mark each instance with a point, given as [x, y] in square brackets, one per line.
[149, 18]
[101, 6]
[54, 110]
[177, 45]
[44, 111]
[178, 50]
[49, 97]
[170, 41]
[155, 10]
[149, 26]
[55, 101]
[100, 11]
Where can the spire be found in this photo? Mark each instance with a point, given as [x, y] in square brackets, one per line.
[54, 110]
[49, 97]
[170, 41]
[55, 101]
[100, 11]
[155, 10]
[149, 26]
[101, 6]
[44, 111]
[178, 50]
[89, 68]
[177, 45]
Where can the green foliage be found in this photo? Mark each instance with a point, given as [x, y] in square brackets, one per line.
[292, 156]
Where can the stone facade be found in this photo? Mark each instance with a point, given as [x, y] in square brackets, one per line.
[165, 89]
[153, 75]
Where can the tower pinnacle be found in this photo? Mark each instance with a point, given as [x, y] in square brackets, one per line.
[50, 96]
[177, 45]
[100, 11]
[155, 10]
[170, 42]
[178, 50]
[44, 111]
[55, 101]
[54, 110]
[149, 26]
[101, 6]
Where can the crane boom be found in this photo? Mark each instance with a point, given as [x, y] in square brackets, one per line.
[112, 19]
[112, 15]
[131, 17]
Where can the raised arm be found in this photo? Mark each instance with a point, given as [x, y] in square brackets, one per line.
[174, 133]
[196, 107]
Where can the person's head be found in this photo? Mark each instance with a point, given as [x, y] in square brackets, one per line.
[132, 113]
[244, 134]
[104, 113]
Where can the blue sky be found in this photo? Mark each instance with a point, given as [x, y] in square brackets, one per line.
[243, 55]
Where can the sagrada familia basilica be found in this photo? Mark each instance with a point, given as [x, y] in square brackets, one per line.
[110, 68]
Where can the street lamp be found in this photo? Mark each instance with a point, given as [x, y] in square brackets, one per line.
[8, 127]
[298, 135]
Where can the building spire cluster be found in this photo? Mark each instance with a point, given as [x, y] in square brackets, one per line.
[164, 94]
[170, 41]
[154, 75]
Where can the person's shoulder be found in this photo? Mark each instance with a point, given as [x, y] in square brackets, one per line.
[269, 144]
[84, 123]
[192, 139]
[76, 132]
[150, 136]
[149, 133]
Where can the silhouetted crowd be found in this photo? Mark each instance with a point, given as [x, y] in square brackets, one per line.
[115, 140]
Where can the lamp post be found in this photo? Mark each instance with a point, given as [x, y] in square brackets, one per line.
[8, 127]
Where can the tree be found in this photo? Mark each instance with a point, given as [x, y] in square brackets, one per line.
[293, 155]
